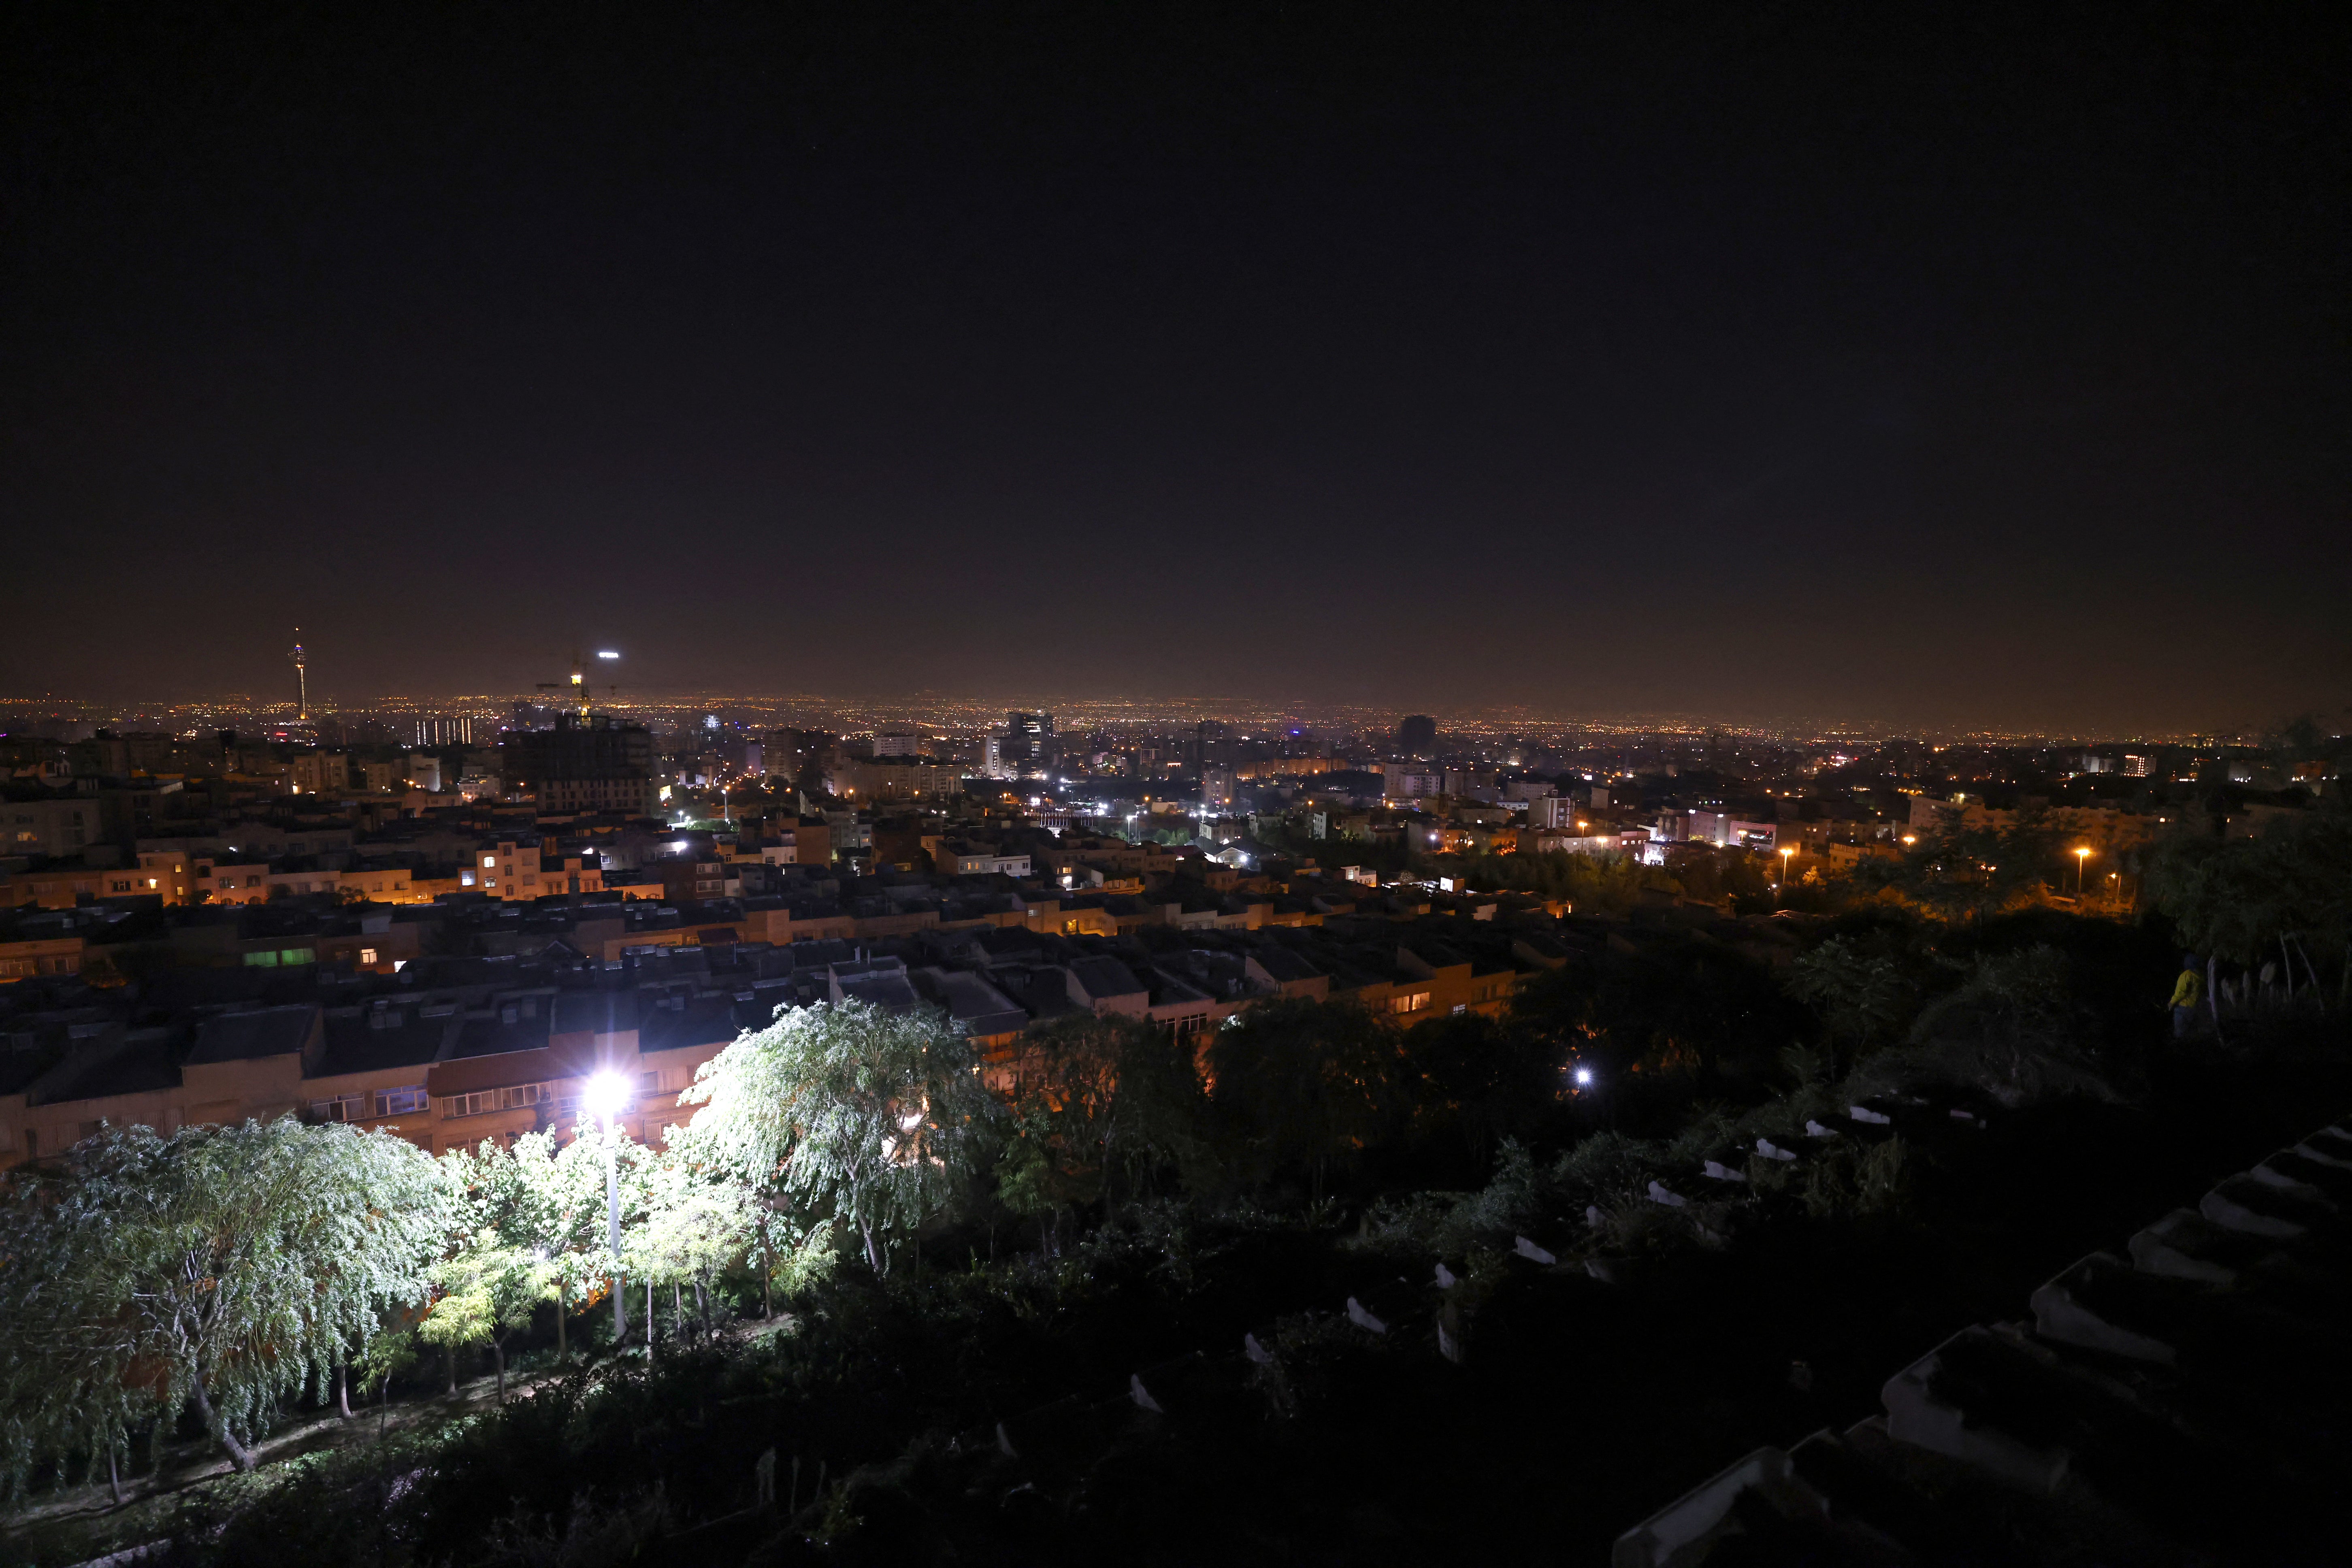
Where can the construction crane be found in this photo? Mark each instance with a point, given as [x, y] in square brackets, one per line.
[578, 684]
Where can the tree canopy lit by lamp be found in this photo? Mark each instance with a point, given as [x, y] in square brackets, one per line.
[604, 1095]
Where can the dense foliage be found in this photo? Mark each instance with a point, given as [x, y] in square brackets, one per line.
[874, 1119]
[1657, 1097]
[221, 1268]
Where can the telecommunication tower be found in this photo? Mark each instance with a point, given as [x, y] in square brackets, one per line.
[301, 681]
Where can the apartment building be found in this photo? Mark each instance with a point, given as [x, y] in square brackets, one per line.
[54, 824]
[516, 871]
[434, 1070]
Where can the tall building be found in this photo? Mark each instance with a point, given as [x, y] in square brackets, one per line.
[301, 681]
[1027, 738]
[897, 743]
[1552, 812]
[586, 764]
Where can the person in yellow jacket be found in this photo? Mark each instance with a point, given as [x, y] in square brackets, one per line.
[2187, 992]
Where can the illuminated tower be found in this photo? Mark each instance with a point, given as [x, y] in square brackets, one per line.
[301, 681]
[578, 682]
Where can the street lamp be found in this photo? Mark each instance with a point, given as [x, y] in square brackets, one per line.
[1786, 856]
[605, 1094]
[2081, 856]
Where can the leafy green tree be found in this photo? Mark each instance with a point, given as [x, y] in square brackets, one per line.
[698, 1222]
[550, 1198]
[1967, 873]
[2021, 999]
[2012, 1029]
[2246, 900]
[485, 1292]
[220, 1268]
[391, 1351]
[1862, 996]
[875, 1119]
[1713, 874]
[1480, 1079]
[1102, 1104]
[1594, 884]
[1302, 1083]
[579, 1234]
[1676, 1008]
[1056, 1149]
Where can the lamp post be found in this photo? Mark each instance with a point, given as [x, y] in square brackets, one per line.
[2080, 857]
[605, 1095]
[1786, 856]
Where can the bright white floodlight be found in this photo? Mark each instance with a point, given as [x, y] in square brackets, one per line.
[605, 1094]
[1584, 1074]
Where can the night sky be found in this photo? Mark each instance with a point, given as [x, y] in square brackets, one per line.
[1933, 364]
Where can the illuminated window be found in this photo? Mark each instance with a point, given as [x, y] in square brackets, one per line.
[367, 955]
[489, 859]
[399, 1101]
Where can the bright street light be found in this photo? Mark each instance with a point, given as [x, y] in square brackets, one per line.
[604, 1095]
[2081, 856]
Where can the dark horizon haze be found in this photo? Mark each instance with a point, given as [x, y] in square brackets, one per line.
[1963, 367]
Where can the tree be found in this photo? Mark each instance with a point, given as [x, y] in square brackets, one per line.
[1675, 1009]
[1592, 883]
[1305, 1082]
[571, 1186]
[1862, 996]
[1480, 1079]
[874, 1119]
[1100, 1103]
[487, 1290]
[2245, 899]
[391, 1351]
[1959, 873]
[698, 1222]
[1055, 1152]
[219, 1268]
[541, 1196]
